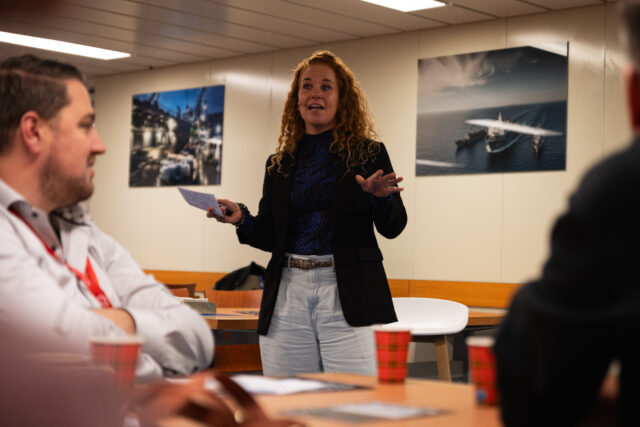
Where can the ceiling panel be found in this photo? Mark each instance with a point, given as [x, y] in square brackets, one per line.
[499, 8]
[372, 13]
[152, 52]
[143, 35]
[160, 33]
[312, 16]
[87, 66]
[129, 14]
[452, 14]
[564, 4]
[171, 29]
[249, 18]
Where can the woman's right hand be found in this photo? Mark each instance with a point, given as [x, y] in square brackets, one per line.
[226, 206]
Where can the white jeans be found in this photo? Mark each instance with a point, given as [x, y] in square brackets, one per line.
[308, 332]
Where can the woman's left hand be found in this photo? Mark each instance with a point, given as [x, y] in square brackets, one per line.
[380, 185]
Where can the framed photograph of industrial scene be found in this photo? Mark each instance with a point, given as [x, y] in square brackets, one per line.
[176, 137]
[494, 111]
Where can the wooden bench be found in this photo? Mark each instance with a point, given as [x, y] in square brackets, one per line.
[203, 279]
[471, 294]
[476, 295]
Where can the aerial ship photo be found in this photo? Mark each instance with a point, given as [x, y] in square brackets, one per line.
[495, 111]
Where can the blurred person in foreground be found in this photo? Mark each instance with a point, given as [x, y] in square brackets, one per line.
[324, 189]
[54, 389]
[62, 280]
[564, 330]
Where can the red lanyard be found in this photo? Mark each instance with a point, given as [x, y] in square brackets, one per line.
[88, 277]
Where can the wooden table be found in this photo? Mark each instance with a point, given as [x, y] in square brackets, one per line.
[247, 318]
[233, 319]
[484, 318]
[456, 399]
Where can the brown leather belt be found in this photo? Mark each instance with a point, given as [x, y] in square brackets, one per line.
[307, 264]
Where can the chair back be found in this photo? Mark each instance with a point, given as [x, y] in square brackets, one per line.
[190, 288]
[180, 292]
[429, 316]
[234, 298]
[236, 357]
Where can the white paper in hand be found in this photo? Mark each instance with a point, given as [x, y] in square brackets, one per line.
[202, 201]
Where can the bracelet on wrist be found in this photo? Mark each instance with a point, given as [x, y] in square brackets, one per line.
[242, 208]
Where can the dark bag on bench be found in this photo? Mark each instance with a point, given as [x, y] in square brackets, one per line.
[245, 278]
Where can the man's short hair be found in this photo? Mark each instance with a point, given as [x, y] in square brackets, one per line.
[630, 19]
[29, 83]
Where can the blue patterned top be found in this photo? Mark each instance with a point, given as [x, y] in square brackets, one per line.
[310, 230]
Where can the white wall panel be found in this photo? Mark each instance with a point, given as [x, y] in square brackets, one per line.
[246, 124]
[458, 218]
[492, 227]
[532, 201]
[458, 228]
[617, 131]
[464, 38]
[119, 211]
[387, 71]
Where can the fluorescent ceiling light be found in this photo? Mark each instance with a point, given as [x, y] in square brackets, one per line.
[64, 47]
[407, 5]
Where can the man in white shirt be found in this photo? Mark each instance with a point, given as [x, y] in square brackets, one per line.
[61, 279]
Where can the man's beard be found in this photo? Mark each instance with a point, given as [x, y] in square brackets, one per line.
[60, 189]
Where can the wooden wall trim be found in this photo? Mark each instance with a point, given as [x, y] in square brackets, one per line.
[399, 287]
[473, 294]
[203, 279]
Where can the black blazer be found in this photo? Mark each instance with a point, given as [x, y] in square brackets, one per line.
[362, 283]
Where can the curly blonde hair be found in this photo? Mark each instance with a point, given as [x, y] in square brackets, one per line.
[354, 133]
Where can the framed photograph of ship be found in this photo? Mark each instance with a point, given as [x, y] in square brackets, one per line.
[494, 111]
[176, 137]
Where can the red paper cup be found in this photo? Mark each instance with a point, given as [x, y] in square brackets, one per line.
[392, 347]
[482, 364]
[118, 352]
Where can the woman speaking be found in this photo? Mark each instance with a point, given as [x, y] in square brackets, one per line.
[324, 189]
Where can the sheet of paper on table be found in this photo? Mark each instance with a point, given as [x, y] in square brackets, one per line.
[264, 385]
[385, 410]
[367, 411]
